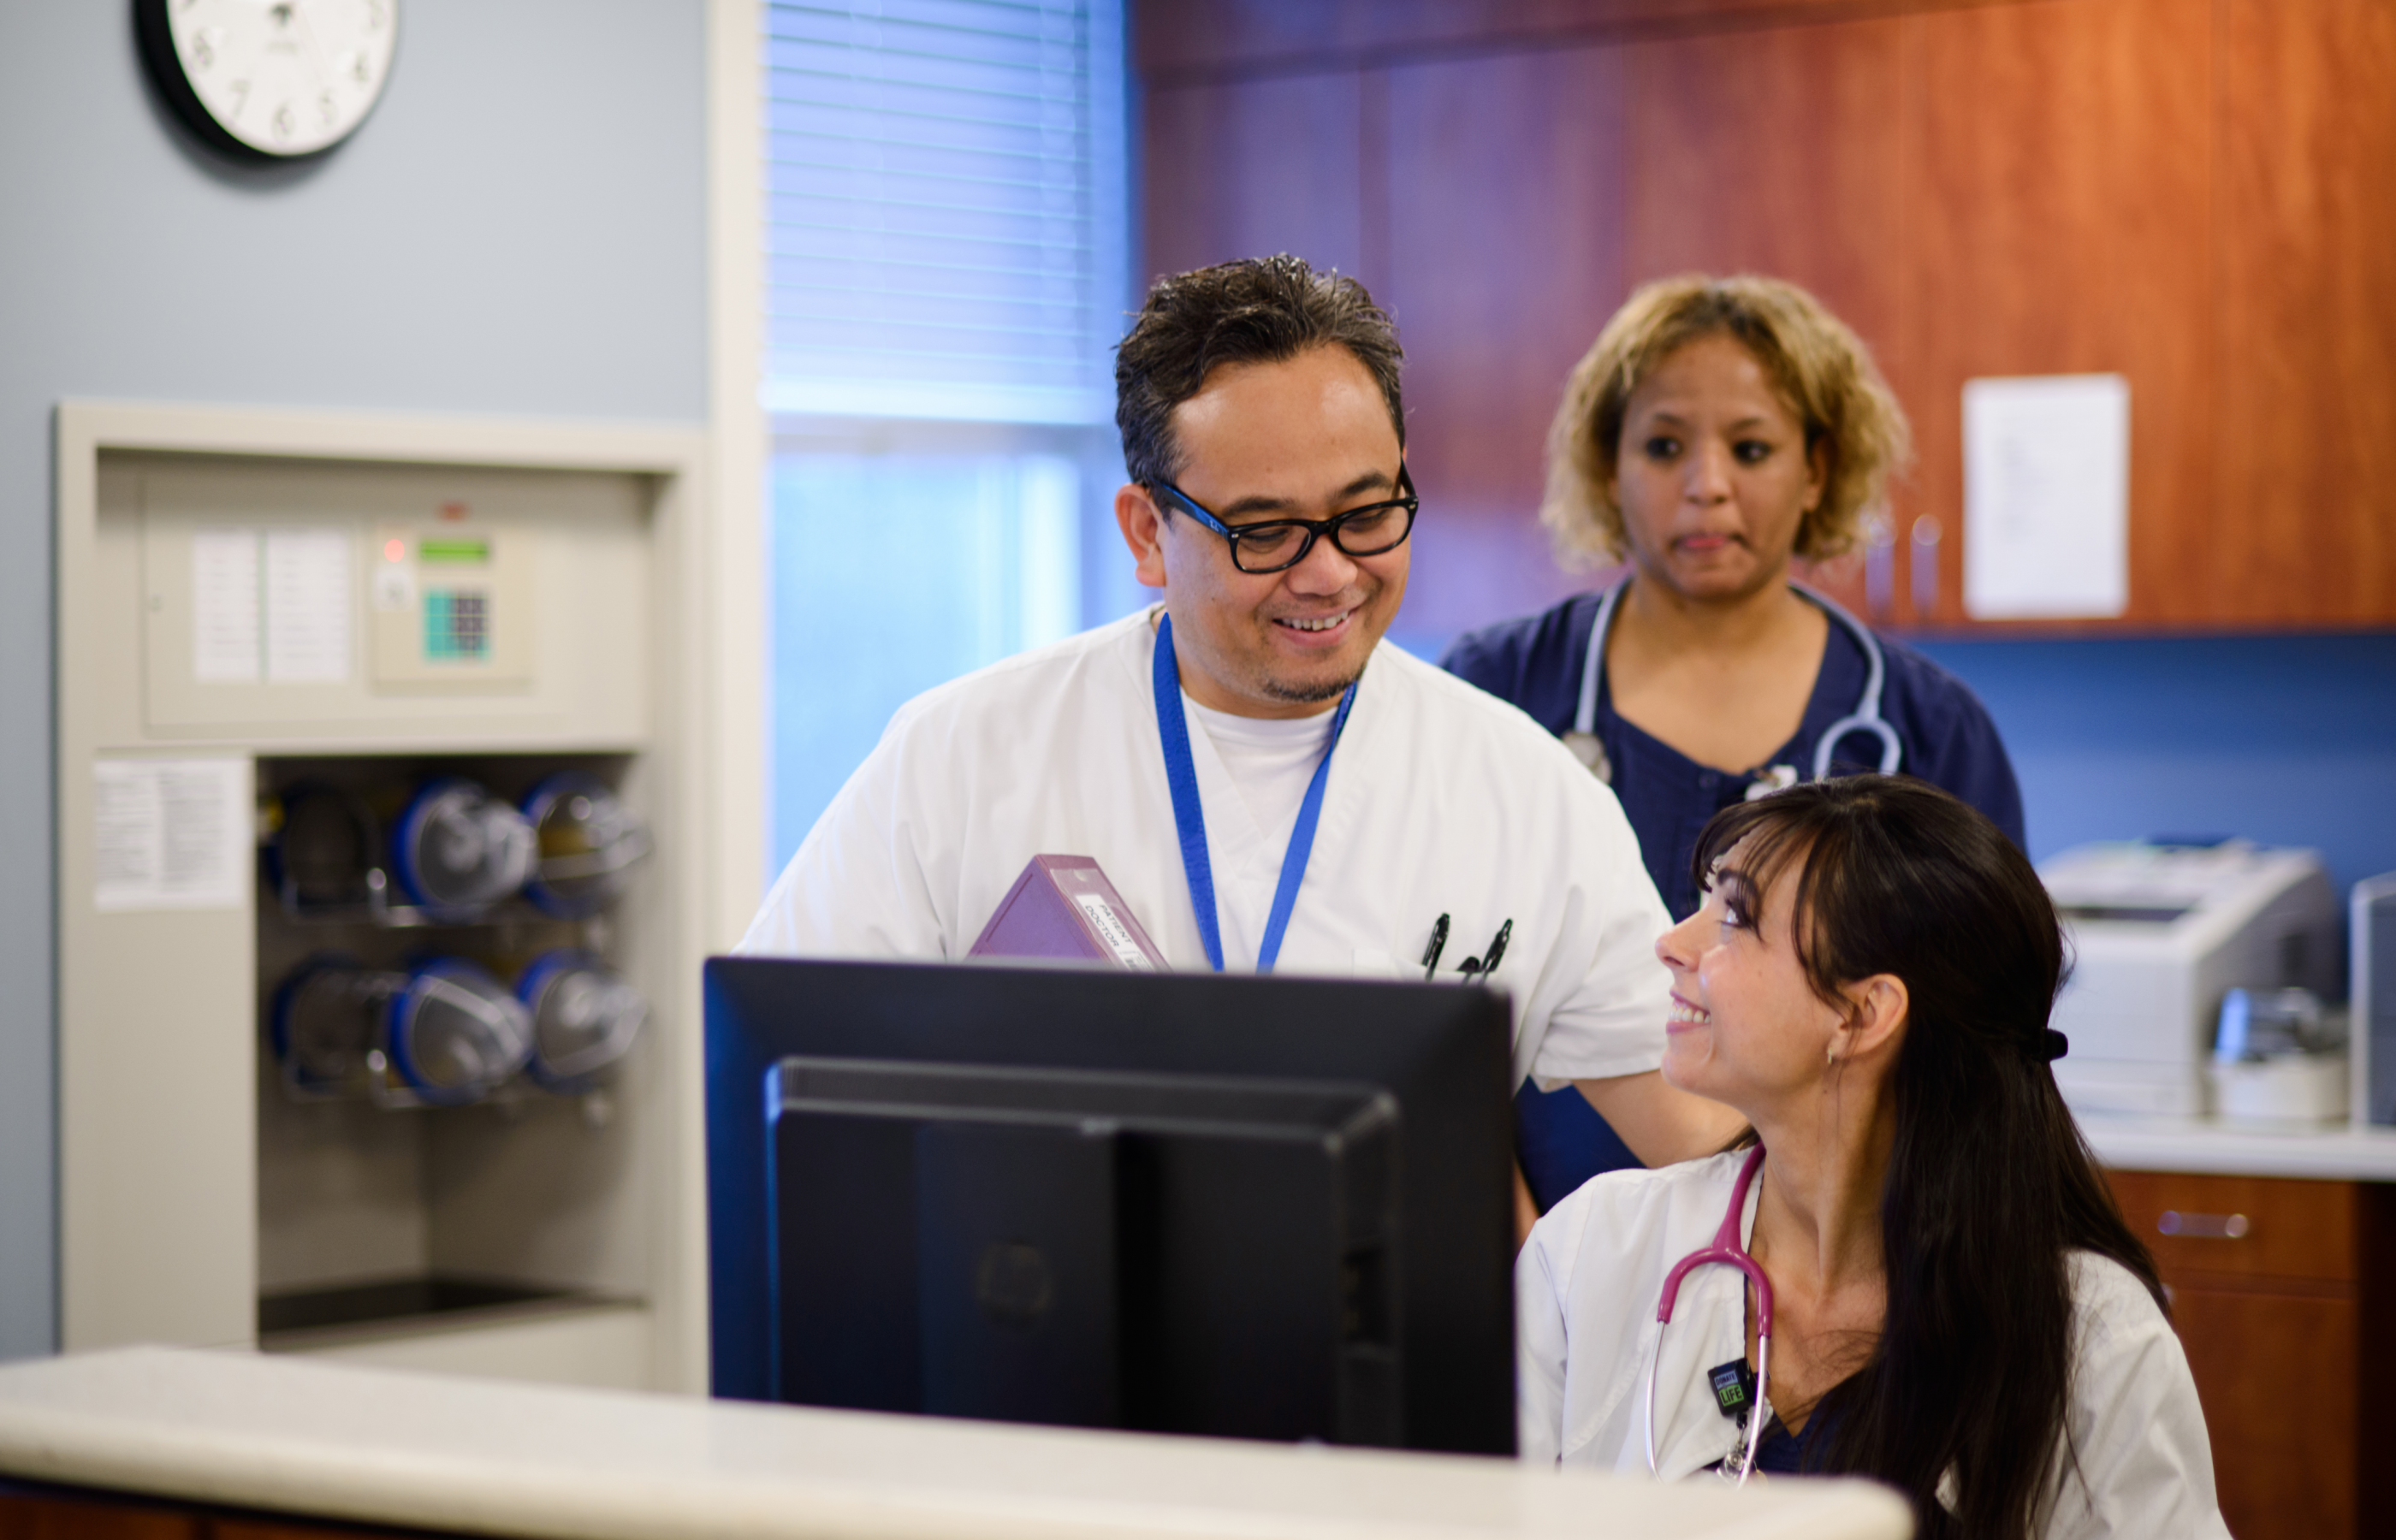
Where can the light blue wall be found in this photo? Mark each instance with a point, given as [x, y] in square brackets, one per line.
[2283, 739]
[520, 228]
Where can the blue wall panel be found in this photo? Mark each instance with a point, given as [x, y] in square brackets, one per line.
[2283, 739]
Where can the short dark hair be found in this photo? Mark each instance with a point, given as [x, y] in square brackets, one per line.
[1256, 311]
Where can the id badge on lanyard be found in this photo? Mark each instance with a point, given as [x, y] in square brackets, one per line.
[1190, 817]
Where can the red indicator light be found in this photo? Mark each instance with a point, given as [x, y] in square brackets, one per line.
[395, 550]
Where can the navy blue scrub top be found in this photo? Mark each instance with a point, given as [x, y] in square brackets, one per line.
[1535, 662]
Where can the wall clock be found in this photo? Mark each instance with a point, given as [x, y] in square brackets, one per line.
[269, 79]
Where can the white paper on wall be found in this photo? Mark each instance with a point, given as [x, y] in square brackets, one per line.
[2046, 497]
[170, 834]
[224, 606]
[307, 606]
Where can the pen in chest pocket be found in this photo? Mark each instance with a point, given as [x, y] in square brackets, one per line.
[1438, 945]
[1472, 967]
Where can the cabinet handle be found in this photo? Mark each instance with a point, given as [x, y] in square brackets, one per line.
[1926, 536]
[1879, 567]
[2203, 1226]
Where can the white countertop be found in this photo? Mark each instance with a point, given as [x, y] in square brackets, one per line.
[383, 1446]
[2207, 1145]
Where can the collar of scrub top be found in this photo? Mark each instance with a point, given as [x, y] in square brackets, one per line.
[1726, 1251]
[1865, 718]
[1189, 818]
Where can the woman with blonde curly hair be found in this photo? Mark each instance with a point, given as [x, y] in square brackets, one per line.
[1719, 428]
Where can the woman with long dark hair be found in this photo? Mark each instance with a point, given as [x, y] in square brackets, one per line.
[1952, 1304]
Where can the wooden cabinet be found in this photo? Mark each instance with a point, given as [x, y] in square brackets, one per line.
[1741, 143]
[28, 1516]
[2057, 198]
[2190, 193]
[2305, 402]
[53, 1514]
[2274, 1286]
[1249, 167]
[1503, 181]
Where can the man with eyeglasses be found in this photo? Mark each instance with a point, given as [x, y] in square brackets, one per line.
[1265, 784]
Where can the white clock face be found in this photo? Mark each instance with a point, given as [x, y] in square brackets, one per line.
[285, 77]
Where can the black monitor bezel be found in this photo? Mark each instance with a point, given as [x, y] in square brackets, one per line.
[1442, 1050]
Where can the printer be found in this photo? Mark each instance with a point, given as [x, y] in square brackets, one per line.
[2159, 932]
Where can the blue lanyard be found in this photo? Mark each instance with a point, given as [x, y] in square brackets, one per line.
[1189, 818]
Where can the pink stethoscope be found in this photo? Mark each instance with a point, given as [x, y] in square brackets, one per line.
[1727, 1251]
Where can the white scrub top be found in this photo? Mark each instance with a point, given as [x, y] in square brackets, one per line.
[1442, 800]
[1586, 1290]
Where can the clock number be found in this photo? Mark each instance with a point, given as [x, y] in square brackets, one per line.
[282, 121]
[374, 15]
[203, 48]
[326, 113]
[240, 89]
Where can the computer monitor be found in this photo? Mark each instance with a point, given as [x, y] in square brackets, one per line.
[1230, 1205]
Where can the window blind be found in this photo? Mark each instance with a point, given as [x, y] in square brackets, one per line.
[945, 208]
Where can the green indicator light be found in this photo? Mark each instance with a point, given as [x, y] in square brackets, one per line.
[453, 550]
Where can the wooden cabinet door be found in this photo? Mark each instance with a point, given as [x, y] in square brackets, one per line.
[2304, 529]
[1779, 152]
[28, 1516]
[1250, 168]
[60, 1514]
[1502, 256]
[2058, 207]
[2278, 1287]
[2276, 1372]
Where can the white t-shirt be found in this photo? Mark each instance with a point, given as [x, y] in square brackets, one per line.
[1441, 800]
[1586, 1288]
[1269, 760]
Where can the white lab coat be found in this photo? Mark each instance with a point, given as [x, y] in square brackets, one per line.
[1441, 800]
[1586, 1291]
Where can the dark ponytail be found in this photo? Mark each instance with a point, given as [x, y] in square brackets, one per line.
[1989, 1186]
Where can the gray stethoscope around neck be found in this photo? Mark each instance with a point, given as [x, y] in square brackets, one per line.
[1865, 718]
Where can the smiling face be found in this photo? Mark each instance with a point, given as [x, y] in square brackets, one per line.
[1746, 1027]
[1306, 438]
[1712, 474]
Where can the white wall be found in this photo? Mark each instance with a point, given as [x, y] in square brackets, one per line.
[520, 228]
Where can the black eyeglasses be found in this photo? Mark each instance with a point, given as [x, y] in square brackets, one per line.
[1276, 544]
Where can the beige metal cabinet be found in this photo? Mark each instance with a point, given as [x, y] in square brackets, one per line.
[252, 599]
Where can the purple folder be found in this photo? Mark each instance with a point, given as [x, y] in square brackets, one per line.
[1063, 906]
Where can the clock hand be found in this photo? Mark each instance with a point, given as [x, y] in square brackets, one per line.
[299, 11]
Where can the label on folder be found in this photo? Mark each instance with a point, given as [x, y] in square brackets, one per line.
[1110, 928]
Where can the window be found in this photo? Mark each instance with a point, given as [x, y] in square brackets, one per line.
[946, 275]
[892, 573]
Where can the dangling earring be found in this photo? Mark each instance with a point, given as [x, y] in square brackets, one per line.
[1830, 1056]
